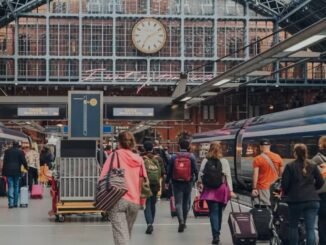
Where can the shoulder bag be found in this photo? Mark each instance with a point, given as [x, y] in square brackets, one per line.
[112, 187]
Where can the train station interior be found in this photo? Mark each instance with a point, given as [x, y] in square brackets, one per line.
[77, 74]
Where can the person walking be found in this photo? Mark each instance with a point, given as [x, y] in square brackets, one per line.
[268, 167]
[123, 215]
[215, 185]
[155, 170]
[300, 180]
[33, 162]
[320, 160]
[182, 170]
[13, 160]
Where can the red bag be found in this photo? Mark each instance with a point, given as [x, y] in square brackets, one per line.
[37, 191]
[200, 207]
[172, 207]
[182, 168]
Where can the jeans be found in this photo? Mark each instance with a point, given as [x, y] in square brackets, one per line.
[150, 209]
[215, 216]
[13, 190]
[182, 197]
[322, 220]
[307, 210]
[32, 177]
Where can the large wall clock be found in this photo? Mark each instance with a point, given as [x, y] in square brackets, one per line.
[149, 35]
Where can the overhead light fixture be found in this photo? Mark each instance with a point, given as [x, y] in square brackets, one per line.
[259, 74]
[219, 83]
[60, 125]
[305, 43]
[186, 99]
[208, 94]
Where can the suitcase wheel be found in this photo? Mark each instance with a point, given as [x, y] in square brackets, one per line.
[60, 218]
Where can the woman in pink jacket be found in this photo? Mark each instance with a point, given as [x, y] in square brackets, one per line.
[123, 215]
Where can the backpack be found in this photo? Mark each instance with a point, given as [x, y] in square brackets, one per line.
[182, 168]
[153, 170]
[212, 174]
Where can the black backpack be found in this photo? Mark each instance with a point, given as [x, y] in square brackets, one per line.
[212, 174]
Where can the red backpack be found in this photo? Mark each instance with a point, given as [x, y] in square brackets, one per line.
[182, 168]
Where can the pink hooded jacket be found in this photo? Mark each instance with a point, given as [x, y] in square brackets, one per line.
[134, 168]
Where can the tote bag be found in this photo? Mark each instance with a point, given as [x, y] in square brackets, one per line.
[111, 188]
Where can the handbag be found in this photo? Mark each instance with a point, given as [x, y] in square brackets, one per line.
[223, 193]
[111, 188]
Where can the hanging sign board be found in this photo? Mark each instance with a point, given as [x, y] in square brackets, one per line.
[85, 115]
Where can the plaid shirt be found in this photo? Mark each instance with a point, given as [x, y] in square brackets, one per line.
[33, 159]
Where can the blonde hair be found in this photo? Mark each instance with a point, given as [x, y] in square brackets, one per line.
[322, 142]
[215, 150]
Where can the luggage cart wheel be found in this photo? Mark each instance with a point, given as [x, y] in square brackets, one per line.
[105, 216]
[60, 218]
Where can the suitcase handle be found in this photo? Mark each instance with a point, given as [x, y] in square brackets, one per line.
[237, 201]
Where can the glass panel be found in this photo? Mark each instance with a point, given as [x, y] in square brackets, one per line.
[32, 36]
[131, 70]
[171, 7]
[64, 70]
[31, 69]
[131, 6]
[199, 38]
[229, 8]
[230, 38]
[64, 7]
[97, 70]
[7, 34]
[198, 7]
[257, 31]
[98, 6]
[64, 36]
[172, 46]
[7, 69]
[199, 71]
[97, 37]
[165, 70]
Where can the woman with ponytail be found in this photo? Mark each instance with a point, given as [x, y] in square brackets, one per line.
[300, 180]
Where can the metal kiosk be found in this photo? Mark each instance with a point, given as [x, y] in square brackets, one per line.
[77, 165]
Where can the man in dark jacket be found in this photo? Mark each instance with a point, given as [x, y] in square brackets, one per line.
[182, 186]
[13, 159]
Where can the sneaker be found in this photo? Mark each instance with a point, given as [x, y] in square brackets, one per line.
[149, 229]
[216, 240]
[10, 207]
[181, 228]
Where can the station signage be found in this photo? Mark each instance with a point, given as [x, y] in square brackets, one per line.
[85, 115]
[37, 111]
[133, 112]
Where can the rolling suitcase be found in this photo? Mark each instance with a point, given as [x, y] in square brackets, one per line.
[3, 187]
[242, 227]
[24, 195]
[200, 207]
[172, 207]
[37, 192]
[263, 219]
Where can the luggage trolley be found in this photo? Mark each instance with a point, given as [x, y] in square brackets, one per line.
[73, 191]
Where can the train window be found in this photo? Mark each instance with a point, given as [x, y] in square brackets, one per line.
[250, 148]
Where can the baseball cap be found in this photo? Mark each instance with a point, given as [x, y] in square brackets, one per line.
[265, 142]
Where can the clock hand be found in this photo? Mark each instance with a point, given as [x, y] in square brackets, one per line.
[148, 37]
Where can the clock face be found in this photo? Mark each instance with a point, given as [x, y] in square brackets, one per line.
[149, 35]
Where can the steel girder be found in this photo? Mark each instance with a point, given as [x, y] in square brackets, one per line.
[9, 9]
[278, 8]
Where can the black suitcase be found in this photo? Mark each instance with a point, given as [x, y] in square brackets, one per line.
[3, 187]
[242, 227]
[263, 219]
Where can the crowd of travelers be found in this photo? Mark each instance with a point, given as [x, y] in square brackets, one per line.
[151, 170]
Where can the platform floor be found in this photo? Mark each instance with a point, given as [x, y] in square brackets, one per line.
[33, 226]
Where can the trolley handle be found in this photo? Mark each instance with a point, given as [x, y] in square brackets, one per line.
[237, 201]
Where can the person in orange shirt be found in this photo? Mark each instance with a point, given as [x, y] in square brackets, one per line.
[268, 166]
